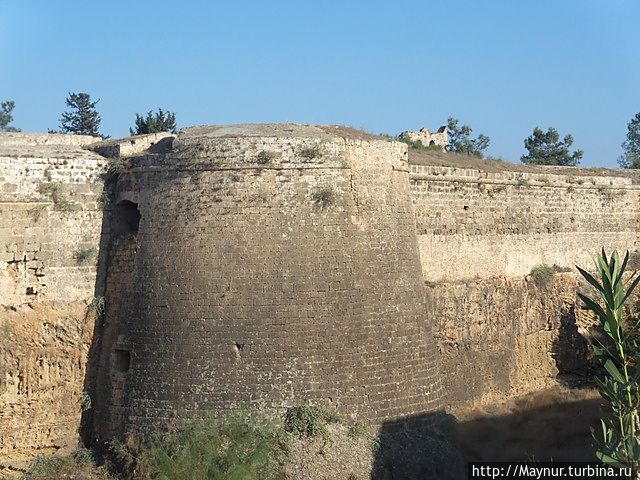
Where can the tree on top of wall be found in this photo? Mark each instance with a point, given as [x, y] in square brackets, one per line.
[460, 140]
[160, 121]
[630, 157]
[82, 118]
[6, 116]
[546, 148]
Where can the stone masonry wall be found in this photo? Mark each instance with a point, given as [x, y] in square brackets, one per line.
[49, 186]
[480, 235]
[274, 266]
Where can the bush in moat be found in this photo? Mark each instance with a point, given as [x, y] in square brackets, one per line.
[242, 446]
[310, 421]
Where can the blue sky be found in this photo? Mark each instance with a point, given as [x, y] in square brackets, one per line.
[503, 67]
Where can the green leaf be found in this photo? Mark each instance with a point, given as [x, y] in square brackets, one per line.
[623, 267]
[606, 459]
[589, 278]
[613, 371]
[591, 305]
[633, 285]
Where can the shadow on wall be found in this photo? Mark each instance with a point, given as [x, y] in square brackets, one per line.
[569, 349]
[120, 223]
[420, 446]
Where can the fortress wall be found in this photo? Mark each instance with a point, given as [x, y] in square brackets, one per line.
[270, 280]
[45, 327]
[474, 224]
[480, 234]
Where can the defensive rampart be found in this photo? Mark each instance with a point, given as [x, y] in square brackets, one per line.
[277, 265]
[481, 232]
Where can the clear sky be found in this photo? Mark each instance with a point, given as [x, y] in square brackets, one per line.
[502, 67]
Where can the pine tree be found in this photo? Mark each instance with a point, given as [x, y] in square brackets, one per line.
[6, 117]
[546, 148]
[631, 147]
[82, 118]
[460, 139]
[154, 122]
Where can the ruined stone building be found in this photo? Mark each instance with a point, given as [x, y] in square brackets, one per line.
[147, 279]
[427, 138]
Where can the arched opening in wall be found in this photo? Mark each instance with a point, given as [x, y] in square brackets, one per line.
[125, 218]
[431, 143]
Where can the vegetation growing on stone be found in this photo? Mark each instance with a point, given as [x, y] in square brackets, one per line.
[324, 197]
[57, 193]
[311, 153]
[265, 157]
[357, 430]
[543, 274]
[521, 181]
[85, 254]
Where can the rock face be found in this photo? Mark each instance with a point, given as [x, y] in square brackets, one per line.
[49, 186]
[268, 266]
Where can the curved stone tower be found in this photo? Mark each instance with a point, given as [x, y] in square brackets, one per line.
[266, 266]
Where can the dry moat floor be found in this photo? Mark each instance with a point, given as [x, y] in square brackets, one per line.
[552, 424]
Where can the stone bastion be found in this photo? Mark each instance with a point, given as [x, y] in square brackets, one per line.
[150, 279]
[266, 266]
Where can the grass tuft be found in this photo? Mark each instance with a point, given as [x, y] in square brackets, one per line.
[324, 197]
[85, 254]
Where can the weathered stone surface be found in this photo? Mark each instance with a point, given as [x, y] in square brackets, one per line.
[45, 326]
[272, 265]
[134, 145]
[269, 271]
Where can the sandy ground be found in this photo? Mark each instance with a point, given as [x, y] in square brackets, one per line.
[552, 424]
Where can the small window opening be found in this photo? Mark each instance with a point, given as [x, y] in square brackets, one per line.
[121, 360]
[126, 218]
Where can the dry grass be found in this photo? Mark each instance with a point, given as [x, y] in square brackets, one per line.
[450, 159]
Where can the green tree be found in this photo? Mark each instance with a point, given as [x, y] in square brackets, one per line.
[82, 118]
[154, 122]
[546, 148]
[6, 117]
[618, 438]
[460, 139]
[630, 157]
